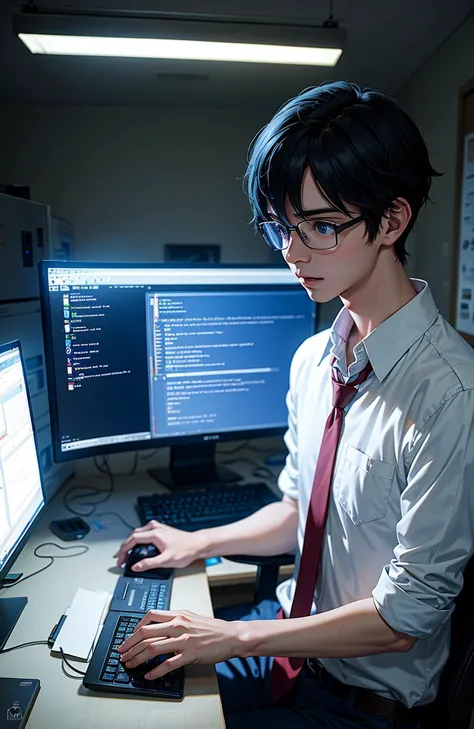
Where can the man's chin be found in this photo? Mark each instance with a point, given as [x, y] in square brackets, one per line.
[320, 297]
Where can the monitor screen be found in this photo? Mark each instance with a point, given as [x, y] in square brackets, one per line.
[143, 356]
[21, 493]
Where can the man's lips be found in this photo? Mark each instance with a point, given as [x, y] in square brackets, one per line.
[308, 278]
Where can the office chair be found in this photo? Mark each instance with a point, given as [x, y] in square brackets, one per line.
[267, 573]
[454, 704]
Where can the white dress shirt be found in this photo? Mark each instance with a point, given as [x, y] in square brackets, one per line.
[401, 512]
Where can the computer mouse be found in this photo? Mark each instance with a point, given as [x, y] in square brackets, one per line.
[145, 551]
[139, 552]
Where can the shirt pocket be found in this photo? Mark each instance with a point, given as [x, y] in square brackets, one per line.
[363, 486]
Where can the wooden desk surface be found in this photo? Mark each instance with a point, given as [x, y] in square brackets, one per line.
[62, 701]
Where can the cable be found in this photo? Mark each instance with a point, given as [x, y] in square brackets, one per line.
[105, 468]
[93, 492]
[150, 455]
[90, 491]
[24, 645]
[83, 547]
[63, 668]
[114, 513]
[45, 642]
[134, 467]
[258, 471]
[69, 665]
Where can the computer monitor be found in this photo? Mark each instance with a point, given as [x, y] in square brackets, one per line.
[21, 491]
[144, 356]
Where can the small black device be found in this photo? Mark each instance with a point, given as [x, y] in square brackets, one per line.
[69, 530]
[205, 508]
[17, 696]
[56, 630]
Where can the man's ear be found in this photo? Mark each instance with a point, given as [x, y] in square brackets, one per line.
[394, 222]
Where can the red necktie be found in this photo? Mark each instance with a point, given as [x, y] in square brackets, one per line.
[285, 670]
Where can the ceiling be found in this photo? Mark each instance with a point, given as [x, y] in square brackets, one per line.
[386, 43]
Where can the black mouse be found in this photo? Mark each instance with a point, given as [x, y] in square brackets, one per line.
[145, 551]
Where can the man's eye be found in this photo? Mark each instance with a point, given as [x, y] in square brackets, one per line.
[322, 228]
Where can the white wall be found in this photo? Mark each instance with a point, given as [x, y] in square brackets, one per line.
[431, 97]
[132, 179]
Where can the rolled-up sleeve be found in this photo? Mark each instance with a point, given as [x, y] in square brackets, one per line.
[415, 592]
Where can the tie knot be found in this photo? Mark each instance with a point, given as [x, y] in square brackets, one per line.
[342, 393]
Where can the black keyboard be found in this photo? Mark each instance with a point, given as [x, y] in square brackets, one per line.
[205, 508]
[106, 672]
[139, 593]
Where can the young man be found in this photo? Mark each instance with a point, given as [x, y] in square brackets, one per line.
[378, 500]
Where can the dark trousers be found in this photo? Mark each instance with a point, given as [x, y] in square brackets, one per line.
[244, 685]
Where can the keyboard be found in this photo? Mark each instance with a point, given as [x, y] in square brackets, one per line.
[106, 672]
[133, 597]
[205, 508]
[139, 594]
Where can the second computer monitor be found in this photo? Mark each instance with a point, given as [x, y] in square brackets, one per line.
[144, 356]
[21, 489]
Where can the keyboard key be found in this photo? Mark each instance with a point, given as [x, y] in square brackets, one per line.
[116, 673]
[216, 506]
[107, 676]
[122, 678]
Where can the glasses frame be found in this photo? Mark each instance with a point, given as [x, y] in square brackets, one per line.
[338, 228]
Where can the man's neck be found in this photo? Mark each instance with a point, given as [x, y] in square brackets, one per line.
[384, 292]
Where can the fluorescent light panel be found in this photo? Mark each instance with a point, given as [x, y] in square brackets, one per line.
[85, 45]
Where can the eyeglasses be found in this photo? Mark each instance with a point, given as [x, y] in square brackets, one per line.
[320, 235]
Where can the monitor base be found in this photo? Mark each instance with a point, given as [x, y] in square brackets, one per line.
[193, 467]
[10, 610]
[186, 480]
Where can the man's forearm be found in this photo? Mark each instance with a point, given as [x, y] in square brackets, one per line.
[350, 631]
[271, 530]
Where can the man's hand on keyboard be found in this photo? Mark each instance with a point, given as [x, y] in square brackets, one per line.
[192, 638]
[178, 548]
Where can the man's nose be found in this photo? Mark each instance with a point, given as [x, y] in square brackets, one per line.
[296, 251]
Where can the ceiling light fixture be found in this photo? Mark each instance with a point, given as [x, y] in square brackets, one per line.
[179, 36]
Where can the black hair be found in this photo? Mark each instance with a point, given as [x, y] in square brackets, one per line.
[361, 147]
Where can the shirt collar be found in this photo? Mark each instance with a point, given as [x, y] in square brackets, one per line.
[387, 344]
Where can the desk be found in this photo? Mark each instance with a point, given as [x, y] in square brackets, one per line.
[63, 702]
[235, 573]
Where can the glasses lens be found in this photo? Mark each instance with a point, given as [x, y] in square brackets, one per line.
[318, 234]
[275, 234]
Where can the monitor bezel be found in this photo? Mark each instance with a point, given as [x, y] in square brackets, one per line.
[61, 456]
[21, 543]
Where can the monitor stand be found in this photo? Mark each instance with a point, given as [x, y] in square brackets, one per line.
[10, 610]
[192, 466]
